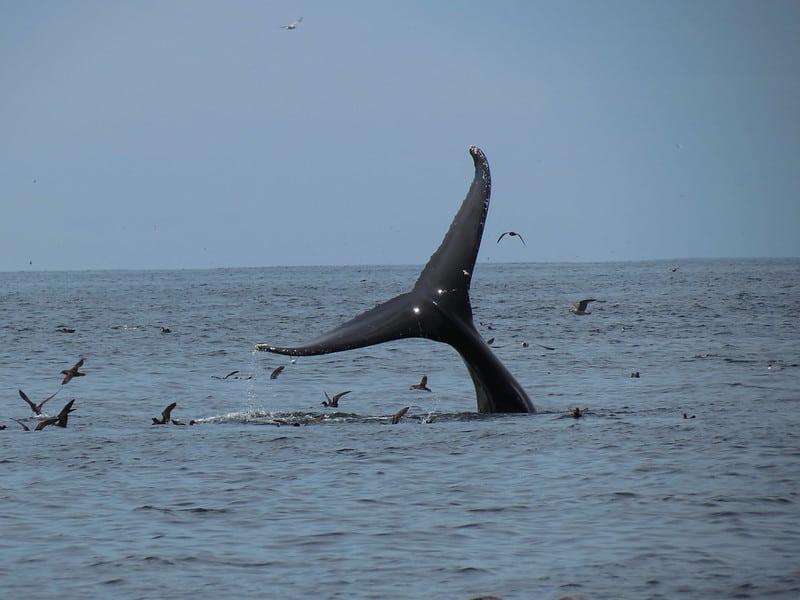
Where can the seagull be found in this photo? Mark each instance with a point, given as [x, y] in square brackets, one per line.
[58, 421]
[73, 372]
[276, 372]
[422, 385]
[293, 24]
[36, 408]
[399, 415]
[165, 414]
[512, 234]
[333, 402]
[579, 308]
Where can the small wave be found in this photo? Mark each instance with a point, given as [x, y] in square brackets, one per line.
[190, 509]
[298, 419]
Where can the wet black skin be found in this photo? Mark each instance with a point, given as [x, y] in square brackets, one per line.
[438, 308]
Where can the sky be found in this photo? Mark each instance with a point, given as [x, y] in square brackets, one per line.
[173, 134]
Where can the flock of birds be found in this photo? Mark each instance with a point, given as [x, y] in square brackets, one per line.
[60, 420]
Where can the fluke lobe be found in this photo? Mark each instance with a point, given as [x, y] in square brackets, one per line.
[438, 308]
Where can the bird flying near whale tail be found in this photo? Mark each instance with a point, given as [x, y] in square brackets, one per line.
[437, 308]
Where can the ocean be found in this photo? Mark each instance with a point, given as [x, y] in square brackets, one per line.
[679, 483]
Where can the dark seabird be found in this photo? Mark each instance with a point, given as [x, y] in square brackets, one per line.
[422, 385]
[635, 375]
[399, 415]
[276, 372]
[164, 415]
[58, 421]
[333, 402]
[512, 234]
[65, 330]
[685, 416]
[226, 376]
[25, 427]
[166, 330]
[527, 345]
[73, 372]
[293, 24]
[36, 408]
[577, 413]
[579, 308]
[2, 427]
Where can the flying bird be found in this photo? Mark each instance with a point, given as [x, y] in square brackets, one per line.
[165, 415]
[422, 385]
[528, 345]
[226, 376]
[58, 421]
[333, 402]
[36, 408]
[25, 427]
[276, 372]
[293, 24]
[73, 372]
[579, 308]
[512, 234]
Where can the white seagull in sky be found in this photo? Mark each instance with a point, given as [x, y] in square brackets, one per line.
[293, 24]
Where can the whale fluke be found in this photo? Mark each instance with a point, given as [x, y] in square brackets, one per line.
[437, 308]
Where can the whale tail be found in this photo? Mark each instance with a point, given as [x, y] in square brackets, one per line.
[437, 308]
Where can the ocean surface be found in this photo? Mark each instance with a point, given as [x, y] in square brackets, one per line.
[272, 495]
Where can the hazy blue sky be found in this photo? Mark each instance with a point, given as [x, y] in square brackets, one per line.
[187, 133]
